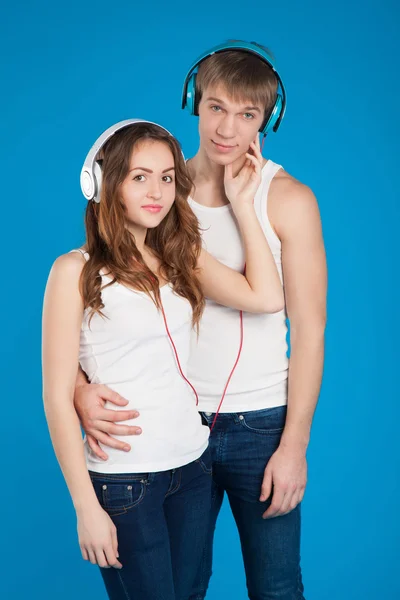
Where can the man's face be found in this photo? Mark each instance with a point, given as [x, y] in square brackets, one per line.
[226, 127]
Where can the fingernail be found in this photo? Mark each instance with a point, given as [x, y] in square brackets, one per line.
[126, 448]
[262, 498]
[138, 431]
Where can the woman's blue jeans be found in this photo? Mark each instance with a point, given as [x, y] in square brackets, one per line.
[162, 524]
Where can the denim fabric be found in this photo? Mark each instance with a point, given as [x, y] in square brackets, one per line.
[162, 523]
[241, 445]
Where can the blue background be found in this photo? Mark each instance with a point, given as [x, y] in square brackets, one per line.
[70, 70]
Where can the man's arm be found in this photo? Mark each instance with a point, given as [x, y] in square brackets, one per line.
[295, 216]
[81, 377]
[98, 422]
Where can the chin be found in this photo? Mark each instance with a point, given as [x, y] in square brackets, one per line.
[154, 222]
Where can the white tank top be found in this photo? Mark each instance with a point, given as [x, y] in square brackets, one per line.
[129, 351]
[260, 378]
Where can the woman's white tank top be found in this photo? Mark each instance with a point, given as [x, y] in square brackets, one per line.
[129, 350]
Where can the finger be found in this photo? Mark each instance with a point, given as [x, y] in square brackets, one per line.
[84, 553]
[111, 442]
[106, 414]
[257, 152]
[108, 394]
[228, 172]
[301, 494]
[287, 500]
[256, 164]
[276, 503]
[95, 448]
[113, 429]
[114, 542]
[101, 558]
[295, 500]
[292, 504]
[266, 486]
[111, 557]
[258, 143]
[253, 160]
[92, 556]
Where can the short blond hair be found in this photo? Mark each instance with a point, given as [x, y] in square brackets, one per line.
[243, 75]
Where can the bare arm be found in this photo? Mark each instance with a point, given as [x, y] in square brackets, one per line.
[260, 289]
[62, 318]
[305, 276]
[298, 225]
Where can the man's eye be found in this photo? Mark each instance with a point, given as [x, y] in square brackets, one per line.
[216, 108]
[248, 116]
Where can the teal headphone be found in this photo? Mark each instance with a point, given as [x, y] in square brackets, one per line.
[275, 116]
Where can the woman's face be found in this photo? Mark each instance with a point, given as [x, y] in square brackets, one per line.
[148, 191]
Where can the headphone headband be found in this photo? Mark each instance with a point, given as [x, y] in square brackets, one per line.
[189, 87]
[91, 171]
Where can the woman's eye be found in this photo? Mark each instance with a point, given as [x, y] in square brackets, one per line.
[139, 178]
[167, 179]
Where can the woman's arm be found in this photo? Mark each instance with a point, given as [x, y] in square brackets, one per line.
[62, 318]
[260, 288]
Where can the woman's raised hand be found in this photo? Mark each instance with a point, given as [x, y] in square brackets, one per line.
[241, 189]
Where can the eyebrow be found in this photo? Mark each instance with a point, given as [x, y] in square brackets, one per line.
[149, 170]
[222, 102]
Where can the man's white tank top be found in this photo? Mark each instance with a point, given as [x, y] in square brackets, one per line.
[129, 350]
[260, 378]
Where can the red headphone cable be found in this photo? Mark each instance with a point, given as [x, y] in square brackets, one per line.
[176, 354]
[231, 373]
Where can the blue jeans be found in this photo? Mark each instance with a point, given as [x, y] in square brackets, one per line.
[162, 523]
[241, 445]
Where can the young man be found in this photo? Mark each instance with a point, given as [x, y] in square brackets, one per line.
[261, 434]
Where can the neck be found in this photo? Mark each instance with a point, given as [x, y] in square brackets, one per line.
[205, 170]
[139, 234]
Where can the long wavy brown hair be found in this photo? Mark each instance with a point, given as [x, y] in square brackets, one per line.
[176, 241]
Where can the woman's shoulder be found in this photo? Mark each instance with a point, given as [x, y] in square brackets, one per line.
[70, 264]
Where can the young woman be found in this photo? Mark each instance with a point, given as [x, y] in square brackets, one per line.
[124, 308]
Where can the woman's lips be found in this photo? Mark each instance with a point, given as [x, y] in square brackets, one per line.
[153, 208]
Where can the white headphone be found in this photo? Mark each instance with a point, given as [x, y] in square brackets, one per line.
[91, 174]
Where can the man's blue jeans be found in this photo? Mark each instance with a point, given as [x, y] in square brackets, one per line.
[241, 445]
[162, 523]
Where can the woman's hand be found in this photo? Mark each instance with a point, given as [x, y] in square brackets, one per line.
[98, 537]
[241, 189]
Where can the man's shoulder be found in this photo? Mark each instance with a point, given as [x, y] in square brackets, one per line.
[289, 201]
[284, 186]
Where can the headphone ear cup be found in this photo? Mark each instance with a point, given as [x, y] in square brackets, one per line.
[190, 104]
[87, 184]
[98, 180]
[274, 116]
